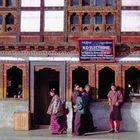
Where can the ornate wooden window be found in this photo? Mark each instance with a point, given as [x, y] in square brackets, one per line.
[106, 78]
[74, 2]
[9, 3]
[85, 22]
[98, 2]
[98, 19]
[86, 19]
[109, 2]
[109, 18]
[97, 22]
[132, 81]
[1, 2]
[15, 81]
[85, 2]
[109, 22]
[74, 19]
[9, 19]
[1, 19]
[10, 23]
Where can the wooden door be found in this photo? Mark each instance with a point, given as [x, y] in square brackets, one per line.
[44, 80]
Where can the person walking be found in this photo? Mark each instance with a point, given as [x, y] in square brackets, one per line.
[55, 109]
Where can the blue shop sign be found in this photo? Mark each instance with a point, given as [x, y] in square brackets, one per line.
[96, 50]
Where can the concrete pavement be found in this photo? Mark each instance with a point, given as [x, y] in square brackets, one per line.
[43, 134]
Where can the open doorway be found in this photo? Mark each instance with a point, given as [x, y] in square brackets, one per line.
[45, 79]
[80, 76]
[132, 81]
[106, 78]
[14, 82]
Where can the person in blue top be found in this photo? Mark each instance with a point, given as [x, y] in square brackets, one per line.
[79, 110]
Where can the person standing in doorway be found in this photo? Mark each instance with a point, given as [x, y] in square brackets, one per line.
[55, 109]
[73, 102]
[115, 99]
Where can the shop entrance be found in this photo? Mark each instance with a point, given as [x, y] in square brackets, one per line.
[80, 76]
[106, 78]
[132, 81]
[44, 80]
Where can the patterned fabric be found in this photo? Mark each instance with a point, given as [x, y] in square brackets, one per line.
[63, 122]
[55, 124]
[115, 96]
[80, 104]
[59, 125]
[55, 107]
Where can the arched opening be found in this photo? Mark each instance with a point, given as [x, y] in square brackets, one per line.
[109, 2]
[1, 19]
[14, 82]
[85, 29]
[132, 81]
[1, 2]
[45, 79]
[98, 19]
[109, 28]
[9, 19]
[109, 18]
[80, 76]
[74, 18]
[86, 19]
[106, 77]
[85, 2]
[74, 2]
[97, 29]
[98, 2]
[9, 3]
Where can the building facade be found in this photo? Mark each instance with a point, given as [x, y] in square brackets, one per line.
[39, 50]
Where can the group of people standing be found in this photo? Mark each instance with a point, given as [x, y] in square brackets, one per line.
[82, 121]
[80, 106]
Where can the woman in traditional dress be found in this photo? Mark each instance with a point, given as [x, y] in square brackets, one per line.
[115, 99]
[79, 110]
[88, 116]
[73, 102]
[56, 111]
